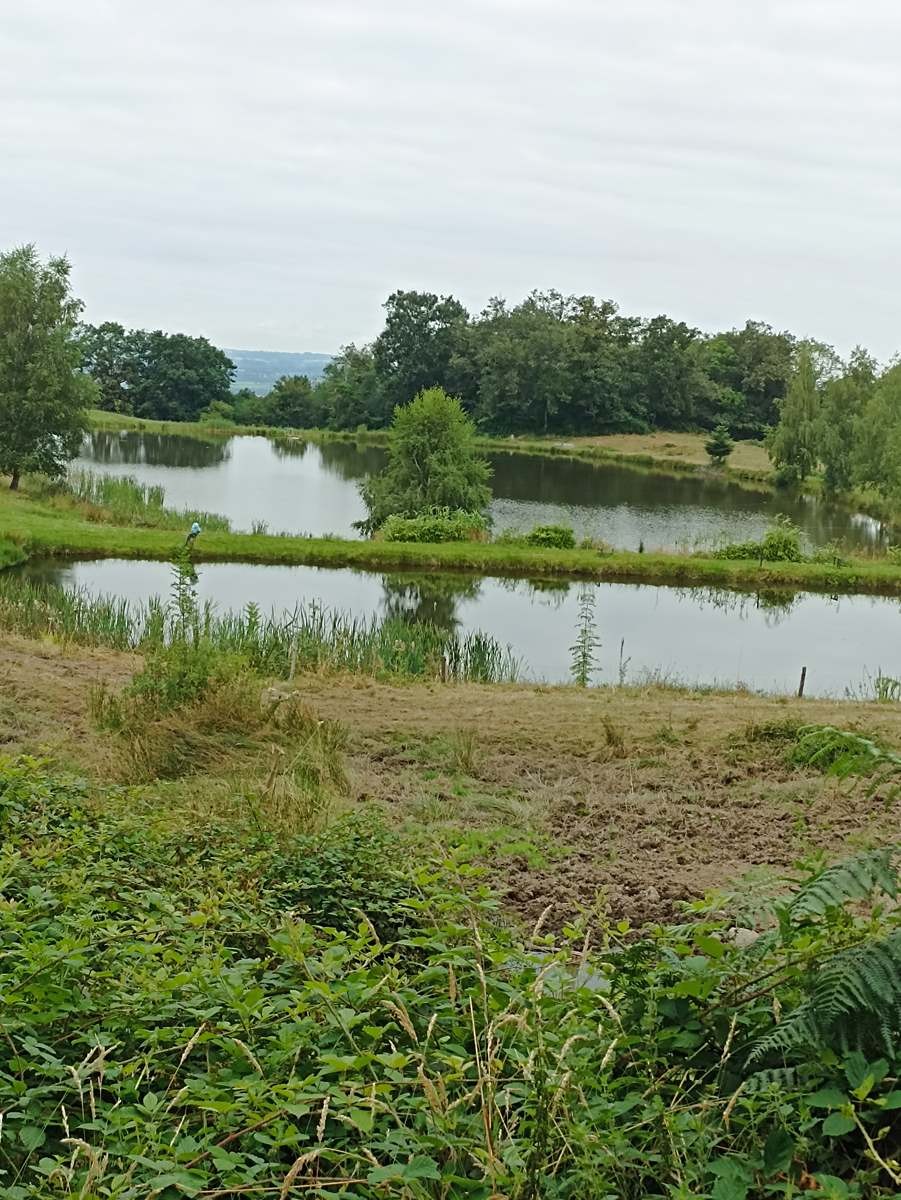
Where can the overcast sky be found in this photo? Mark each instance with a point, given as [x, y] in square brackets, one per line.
[265, 172]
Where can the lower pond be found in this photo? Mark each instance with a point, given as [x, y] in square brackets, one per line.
[294, 486]
[688, 635]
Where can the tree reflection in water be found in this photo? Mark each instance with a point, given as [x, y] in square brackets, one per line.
[155, 449]
[430, 599]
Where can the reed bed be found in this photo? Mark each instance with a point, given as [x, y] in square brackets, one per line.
[124, 500]
[309, 638]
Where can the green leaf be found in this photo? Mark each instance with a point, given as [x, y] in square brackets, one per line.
[890, 1100]
[419, 1167]
[734, 1179]
[710, 946]
[827, 1097]
[832, 1188]
[856, 1069]
[31, 1137]
[837, 1124]
[778, 1152]
[362, 1118]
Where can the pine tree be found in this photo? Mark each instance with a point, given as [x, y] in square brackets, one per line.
[719, 445]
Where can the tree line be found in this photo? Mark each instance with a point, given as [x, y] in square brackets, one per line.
[553, 364]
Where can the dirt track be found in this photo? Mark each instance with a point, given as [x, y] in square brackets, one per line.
[645, 798]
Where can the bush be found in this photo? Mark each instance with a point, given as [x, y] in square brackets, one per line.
[552, 537]
[781, 543]
[439, 525]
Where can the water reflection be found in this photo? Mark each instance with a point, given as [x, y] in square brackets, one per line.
[154, 449]
[693, 635]
[428, 598]
[312, 487]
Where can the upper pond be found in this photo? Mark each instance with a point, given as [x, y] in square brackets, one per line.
[304, 487]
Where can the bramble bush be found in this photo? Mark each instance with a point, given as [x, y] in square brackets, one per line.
[219, 1012]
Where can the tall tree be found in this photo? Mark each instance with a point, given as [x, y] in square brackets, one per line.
[669, 373]
[175, 377]
[754, 363]
[293, 403]
[432, 462]
[109, 358]
[42, 393]
[415, 349]
[843, 401]
[350, 392]
[793, 444]
[876, 458]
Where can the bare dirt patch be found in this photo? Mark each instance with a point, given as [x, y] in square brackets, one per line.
[636, 799]
[645, 798]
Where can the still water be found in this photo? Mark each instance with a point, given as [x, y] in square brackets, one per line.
[690, 635]
[300, 487]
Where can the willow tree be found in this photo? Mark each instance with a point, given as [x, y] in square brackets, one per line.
[43, 394]
[794, 443]
[433, 462]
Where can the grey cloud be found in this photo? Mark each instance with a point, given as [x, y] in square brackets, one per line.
[265, 173]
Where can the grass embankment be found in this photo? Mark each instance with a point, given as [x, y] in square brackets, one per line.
[36, 527]
[279, 971]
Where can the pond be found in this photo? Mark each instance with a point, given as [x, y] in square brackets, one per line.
[303, 487]
[680, 635]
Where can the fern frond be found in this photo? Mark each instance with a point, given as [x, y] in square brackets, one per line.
[842, 753]
[854, 1002]
[853, 879]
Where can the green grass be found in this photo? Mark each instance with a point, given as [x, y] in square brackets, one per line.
[38, 529]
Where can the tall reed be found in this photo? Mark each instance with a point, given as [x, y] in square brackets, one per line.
[309, 638]
[124, 500]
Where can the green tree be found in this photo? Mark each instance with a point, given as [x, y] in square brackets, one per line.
[793, 444]
[109, 358]
[719, 445]
[43, 394]
[754, 363]
[669, 375]
[350, 393]
[175, 377]
[415, 349]
[843, 401]
[293, 403]
[876, 456]
[432, 463]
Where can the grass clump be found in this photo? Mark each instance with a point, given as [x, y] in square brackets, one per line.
[122, 500]
[219, 1011]
[438, 525]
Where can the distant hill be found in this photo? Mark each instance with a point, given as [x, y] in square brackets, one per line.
[259, 369]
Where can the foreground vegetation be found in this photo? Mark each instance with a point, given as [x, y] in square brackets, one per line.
[229, 969]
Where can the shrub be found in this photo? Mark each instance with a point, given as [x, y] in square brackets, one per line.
[719, 445]
[553, 537]
[781, 543]
[438, 525]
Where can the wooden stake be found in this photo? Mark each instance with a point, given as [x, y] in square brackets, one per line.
[801, 684]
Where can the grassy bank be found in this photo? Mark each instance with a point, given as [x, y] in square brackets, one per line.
[36, 528]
